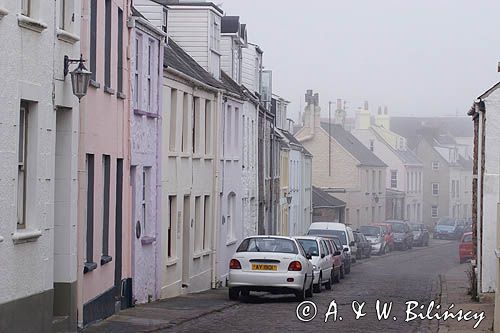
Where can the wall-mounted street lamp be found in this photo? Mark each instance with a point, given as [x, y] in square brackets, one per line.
[80, 77]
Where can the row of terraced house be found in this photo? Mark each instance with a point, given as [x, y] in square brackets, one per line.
[142, 187]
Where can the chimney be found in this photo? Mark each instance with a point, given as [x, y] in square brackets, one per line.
[312, 112]
[363, 118]
[383, 119]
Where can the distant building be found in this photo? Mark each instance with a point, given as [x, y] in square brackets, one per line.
[327, 208]
[344, 167]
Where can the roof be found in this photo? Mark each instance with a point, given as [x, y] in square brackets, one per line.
[230, 24]
[294, 141]
[354, 146]
[489, 91]
[406, 156]
[136, 13]
[231, 85]
[321, 198]
[193, 3]
[175, 57]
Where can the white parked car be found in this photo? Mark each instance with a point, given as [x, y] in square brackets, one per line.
[270, 263]
[321, 259]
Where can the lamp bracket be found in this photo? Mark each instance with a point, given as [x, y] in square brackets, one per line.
[68, 61]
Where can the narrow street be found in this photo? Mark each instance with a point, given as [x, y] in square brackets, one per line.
[397, 277]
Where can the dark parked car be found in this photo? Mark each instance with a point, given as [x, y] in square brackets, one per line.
[403, 237]
[420, 234]
[364, 246]
[448, 228]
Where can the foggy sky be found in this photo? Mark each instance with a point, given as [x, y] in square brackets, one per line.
[417, 57]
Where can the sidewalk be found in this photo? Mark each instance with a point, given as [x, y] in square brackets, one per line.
[454, 286]
[165, 313]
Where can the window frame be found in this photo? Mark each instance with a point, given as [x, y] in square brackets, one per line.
[22, 164]
[435, 193]
[435, 165]
[394, 180]
[434, 211]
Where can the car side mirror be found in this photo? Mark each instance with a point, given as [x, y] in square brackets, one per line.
[337, 253]
[352, 243]
[346, 249]
[322, 255]
[308, 256]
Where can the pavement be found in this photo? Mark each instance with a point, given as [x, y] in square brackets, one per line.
[454, 287]
[422, 274]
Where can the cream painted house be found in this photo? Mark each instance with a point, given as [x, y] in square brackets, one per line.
[344, 167]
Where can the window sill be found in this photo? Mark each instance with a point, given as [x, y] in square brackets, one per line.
[30, 24]
[201, 254]
[105, 260]
[89, 267]
[145, 113]
[185, 155]
[67, 37]
[231, 242]
[3, 12]
[108, 90]
[147, 240]
[26, 236]
[94, 84]
[172, 262]
[121, 95]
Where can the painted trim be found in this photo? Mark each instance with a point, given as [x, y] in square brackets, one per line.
[26, 236]
[67, 37]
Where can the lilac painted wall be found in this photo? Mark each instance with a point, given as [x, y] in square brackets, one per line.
[147, 44]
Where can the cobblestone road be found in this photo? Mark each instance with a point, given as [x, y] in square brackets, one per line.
[397, 277]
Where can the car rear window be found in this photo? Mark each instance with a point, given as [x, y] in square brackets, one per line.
[268, 244]
[467, 239]
[310, 246]
[328, 232]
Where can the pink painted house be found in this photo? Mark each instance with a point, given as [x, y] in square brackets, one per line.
[104, 282]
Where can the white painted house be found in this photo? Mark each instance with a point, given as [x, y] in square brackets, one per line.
[38, 150]
[404, 171]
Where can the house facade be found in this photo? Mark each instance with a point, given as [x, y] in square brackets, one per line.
[486, 193]
[404, 177]
[39, 145]
[146, 75]
[343, 166]
[104, 229]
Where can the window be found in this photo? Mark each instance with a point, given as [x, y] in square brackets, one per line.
[185, 127]
[21, 166]
[452, 188]
[229, 126]
[107, 45]
[236, 129]
[208, 127]
[206, 223]
[173, 119]
[367, 181]
[435, 189]
[138, 57]
[62, 14]
[394, 178]
[146, 172]
[373, 181]
[106, 166]
[434, 211]
[172, 215]
[372, 143]
[165, 19]
[89, 244]
[231, 209]
[215, 38]
[93, 38]
[196, 125]
[119, 62]
[420, 182]
[245, 137]
[149, 85]
[198, 230]
[26, 7]
[435, 165]
[380, 181]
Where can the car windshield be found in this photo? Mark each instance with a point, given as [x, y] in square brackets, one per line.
[398, 227]
[416, 227]
[369, 231]
[467, 239]
[446, 221]
[328, 232]
[310, 246]
[265, 244]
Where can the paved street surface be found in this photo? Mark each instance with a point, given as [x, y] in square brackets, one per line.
[397, 277]
[418, 275]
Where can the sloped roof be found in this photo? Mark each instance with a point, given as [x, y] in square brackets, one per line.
[231, 85]
[364, 155]
[321, 198]
[177, 58]
[406, 156]
[294, 141]
[136, 13]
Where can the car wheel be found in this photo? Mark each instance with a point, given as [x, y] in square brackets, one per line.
[234, 293]
[336, 277]
[328, 284]
[245, 293]
[342, 273]
[369, 253]
[300, 295]
[317, 287]
[348, 268]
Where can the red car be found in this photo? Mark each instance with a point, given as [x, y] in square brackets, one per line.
[338, 263]
[466, 249]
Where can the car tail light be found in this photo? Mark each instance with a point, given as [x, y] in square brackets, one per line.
[295, 266]
[234, 264]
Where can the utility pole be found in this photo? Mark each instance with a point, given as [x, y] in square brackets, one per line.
[330, 138]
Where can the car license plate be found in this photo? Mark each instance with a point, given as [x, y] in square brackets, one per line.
[264, 267]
